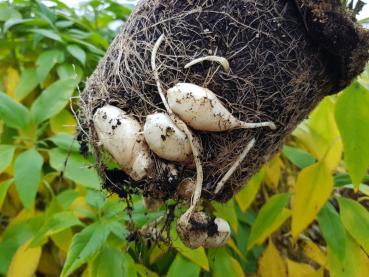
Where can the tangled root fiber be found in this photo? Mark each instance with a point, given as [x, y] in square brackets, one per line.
[284, 55]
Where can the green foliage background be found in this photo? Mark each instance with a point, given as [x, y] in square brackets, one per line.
[304, 214]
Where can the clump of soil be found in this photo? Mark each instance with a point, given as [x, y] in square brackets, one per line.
[284, 55]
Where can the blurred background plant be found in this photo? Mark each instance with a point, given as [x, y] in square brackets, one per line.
[304, 214]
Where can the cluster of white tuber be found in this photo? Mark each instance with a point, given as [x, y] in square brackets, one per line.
[168, 136]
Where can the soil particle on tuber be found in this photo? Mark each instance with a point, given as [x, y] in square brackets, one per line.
[284, 56]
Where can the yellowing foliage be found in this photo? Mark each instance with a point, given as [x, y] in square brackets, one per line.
[271, 263]
[313, 188]
[25, 261]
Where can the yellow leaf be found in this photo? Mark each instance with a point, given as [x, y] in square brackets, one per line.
[273, 172]
[298, 269]
[364, 264]
[158, 251]
[11, 81]
[63, 239]
[313, 188]
[25, 261]
[271, 264]
[63, 122]
[312, 251]
[316, 273]
[320, 134]
[80, 207]
[237, 269]
[247, 195]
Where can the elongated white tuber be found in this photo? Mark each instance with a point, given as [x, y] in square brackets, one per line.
[203, 230]
[201, 109]
[121, 135]
[221, 60]
[166, 139]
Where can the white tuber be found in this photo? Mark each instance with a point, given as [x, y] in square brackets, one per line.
[121, 135]
[166, 139]
[220, 238]
[202, 230]
[201, 109]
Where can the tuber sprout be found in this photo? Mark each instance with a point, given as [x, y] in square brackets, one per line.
[121, 135]
[201, 109]
[165, 139]
[221, 60]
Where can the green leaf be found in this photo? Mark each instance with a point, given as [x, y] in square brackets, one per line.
[8, 12]
[333, 230]
[46, 61]
[65, 142]
[222, 264]
[298, 157]
[77, 52]
[7, 251]
[183, 267]
[313, 187]
[270, 217]
[27, 173]
[28, 22]
[15, 115]
[227, 211]
[247, 195]
[197, 256]
[129, 266]
[84, 245]
[95, 198]
[4, 186]
[352, 116]
[6, 154]
[355, 218]
[76, 168]
[27, 83]
[47, 33]
[52, 100]
[350, 266]
[55, 224]
[109, 262]
[66, 71]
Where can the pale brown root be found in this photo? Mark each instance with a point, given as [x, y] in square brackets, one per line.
[221, 60]
[181, 125]
[236, 164]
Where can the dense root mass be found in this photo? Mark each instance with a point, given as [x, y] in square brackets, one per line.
[284, 57]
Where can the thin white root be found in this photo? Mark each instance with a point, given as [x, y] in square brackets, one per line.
[221, 60]
[247, 125]
[236, 164]
[181, 125]
[156, 73]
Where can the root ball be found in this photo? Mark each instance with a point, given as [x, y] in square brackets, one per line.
[284, 56]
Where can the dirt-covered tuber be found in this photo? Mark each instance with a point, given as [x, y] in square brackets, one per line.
[201, 109]
[203, 230]
[165, 139]
[121, 135]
